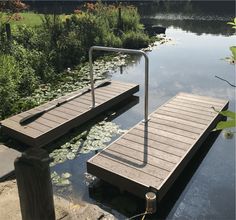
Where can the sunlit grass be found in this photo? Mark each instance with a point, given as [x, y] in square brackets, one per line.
[27, 18]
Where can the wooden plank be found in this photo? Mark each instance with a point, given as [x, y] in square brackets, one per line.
[200, 97]
[181, 116]
[187, 109]
[172, 124]
[200, 101]
[190, 106]
[167, 141]
[187, 113]
[179, 131]
[161, 171]
[195, 103]
[162, 139]
[169, 135]
[41, 121]
[177, 120]
[137, 141]
[149, 150]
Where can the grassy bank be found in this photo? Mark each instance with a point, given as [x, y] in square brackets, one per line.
[24, 18]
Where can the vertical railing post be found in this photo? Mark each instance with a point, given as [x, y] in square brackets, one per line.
[91, 76]
[34, 185]
[122, 50]
[146, 87]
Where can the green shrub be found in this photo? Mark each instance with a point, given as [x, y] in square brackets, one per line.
[8, 87]
[15, 82]
[135, 40]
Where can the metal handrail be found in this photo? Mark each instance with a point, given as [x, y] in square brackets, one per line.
[129, 51]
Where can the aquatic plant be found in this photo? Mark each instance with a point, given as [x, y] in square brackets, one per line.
[60, 180]
[92, 139]
[231, 121]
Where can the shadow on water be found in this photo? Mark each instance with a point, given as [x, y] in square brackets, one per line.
[130, 205]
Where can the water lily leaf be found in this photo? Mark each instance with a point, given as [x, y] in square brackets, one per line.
[70, 156]
[225, 124]
[233, 50]
[65, 175]
[227, 134]
[231, 23]
[63, 182]
[229, 114]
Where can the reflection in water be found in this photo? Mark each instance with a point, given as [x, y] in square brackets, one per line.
[198, 17]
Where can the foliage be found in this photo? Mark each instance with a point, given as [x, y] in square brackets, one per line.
[230, 123]
[92, 139]
[233, 50]
[233, 23]
[15, 82]
[60, 180]
[12, 9]
[135, 40]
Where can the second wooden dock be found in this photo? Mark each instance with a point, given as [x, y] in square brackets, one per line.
[62, 119]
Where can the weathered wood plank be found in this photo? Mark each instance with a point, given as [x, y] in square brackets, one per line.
[169, 135]
[138, 141]
[173, 124]
[178, 131]
[196, 103]
[181, 116]
[149, 150]
[187, 109]
[177, 120]
[162, 139]
[183, 112]
[181, 103]
[200, 97]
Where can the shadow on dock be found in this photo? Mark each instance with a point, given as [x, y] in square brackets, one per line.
[130, 205]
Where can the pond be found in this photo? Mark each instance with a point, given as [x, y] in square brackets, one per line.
[189, 62]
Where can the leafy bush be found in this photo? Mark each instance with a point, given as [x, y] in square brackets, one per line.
[15, 82]
[135, 40]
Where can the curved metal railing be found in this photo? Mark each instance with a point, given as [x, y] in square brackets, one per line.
[128, 51]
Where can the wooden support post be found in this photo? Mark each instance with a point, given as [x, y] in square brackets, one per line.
[34, 185]
[120, 23]
[8, 31]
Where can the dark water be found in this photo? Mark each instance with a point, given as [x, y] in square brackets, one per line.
[189, 63]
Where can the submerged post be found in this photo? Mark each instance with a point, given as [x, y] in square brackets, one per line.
[121, 50]
[34, 185]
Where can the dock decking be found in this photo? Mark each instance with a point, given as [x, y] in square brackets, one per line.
[151, 156]
[60, 120]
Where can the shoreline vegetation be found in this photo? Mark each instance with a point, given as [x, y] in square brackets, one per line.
[46, 55]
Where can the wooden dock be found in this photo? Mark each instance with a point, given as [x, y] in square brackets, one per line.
[151, 156]
[60, 120]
